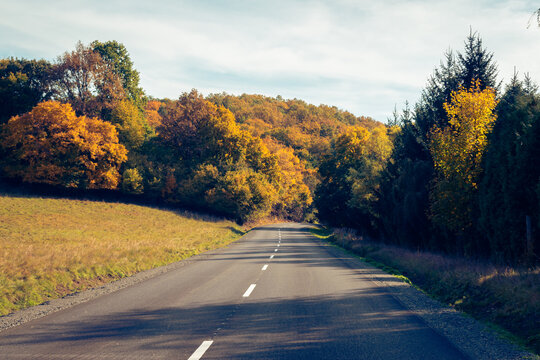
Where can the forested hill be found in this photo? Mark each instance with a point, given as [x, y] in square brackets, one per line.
[457, 173]
[84, 122]
[306, 128]
[299, 135]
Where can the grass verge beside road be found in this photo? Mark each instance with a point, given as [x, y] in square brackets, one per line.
[51, 247]
[508, 298]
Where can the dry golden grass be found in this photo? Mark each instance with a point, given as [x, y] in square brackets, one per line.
[51, 247]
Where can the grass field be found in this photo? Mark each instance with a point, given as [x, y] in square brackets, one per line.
[50, 247]
[507, 298]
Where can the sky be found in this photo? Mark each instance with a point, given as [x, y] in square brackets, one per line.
[366, 57]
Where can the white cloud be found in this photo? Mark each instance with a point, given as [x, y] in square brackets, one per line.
[364, 56]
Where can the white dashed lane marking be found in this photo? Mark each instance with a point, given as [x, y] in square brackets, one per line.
[249, 290]
[201, 350]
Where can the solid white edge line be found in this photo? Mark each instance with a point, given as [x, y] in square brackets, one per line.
[264, 267]
[249, 290]
[201, 350]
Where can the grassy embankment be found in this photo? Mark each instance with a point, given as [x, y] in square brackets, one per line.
[506, 298]
[51, 247]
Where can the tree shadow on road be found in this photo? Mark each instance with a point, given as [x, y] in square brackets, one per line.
[362, 325]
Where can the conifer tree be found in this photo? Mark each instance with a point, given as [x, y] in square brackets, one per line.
[405, 184]
[476, 64]
[508, 191]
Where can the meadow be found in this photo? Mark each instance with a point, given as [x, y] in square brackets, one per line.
[51, 246]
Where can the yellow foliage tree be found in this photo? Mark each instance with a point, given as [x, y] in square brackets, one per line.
[52, 145]
[294, 195]
[457, 155]
[130, 123]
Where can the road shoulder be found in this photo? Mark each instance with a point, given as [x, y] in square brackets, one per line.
[473, 338]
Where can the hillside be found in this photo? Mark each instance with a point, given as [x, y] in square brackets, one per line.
[55, 246]
[306, 128]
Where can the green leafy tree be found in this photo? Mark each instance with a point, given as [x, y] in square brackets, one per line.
[349, 173]
[241, 193]
[116, 54]
[132, 182]
[23, 84]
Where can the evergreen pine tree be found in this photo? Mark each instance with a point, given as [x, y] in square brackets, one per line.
[476, 63]
[508, 191]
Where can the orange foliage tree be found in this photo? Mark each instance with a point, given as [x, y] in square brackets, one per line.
[52, 145]
[152, 113]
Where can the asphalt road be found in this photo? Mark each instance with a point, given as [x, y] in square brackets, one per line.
[275, 294]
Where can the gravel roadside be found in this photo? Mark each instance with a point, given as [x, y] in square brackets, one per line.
[474, 339]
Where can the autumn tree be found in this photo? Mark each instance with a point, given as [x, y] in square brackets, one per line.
[306, 128]
[87, 82]
[52, 145]
[188, 123]
[153, 116]
[130, 123]
[457, 152]
[294, 197]
[298, 133]
[215, 155]
[203, 132]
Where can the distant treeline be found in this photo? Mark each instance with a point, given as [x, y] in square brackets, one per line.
[456, 173]
[83, 122]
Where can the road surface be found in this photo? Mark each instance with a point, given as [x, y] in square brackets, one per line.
[275, 294]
